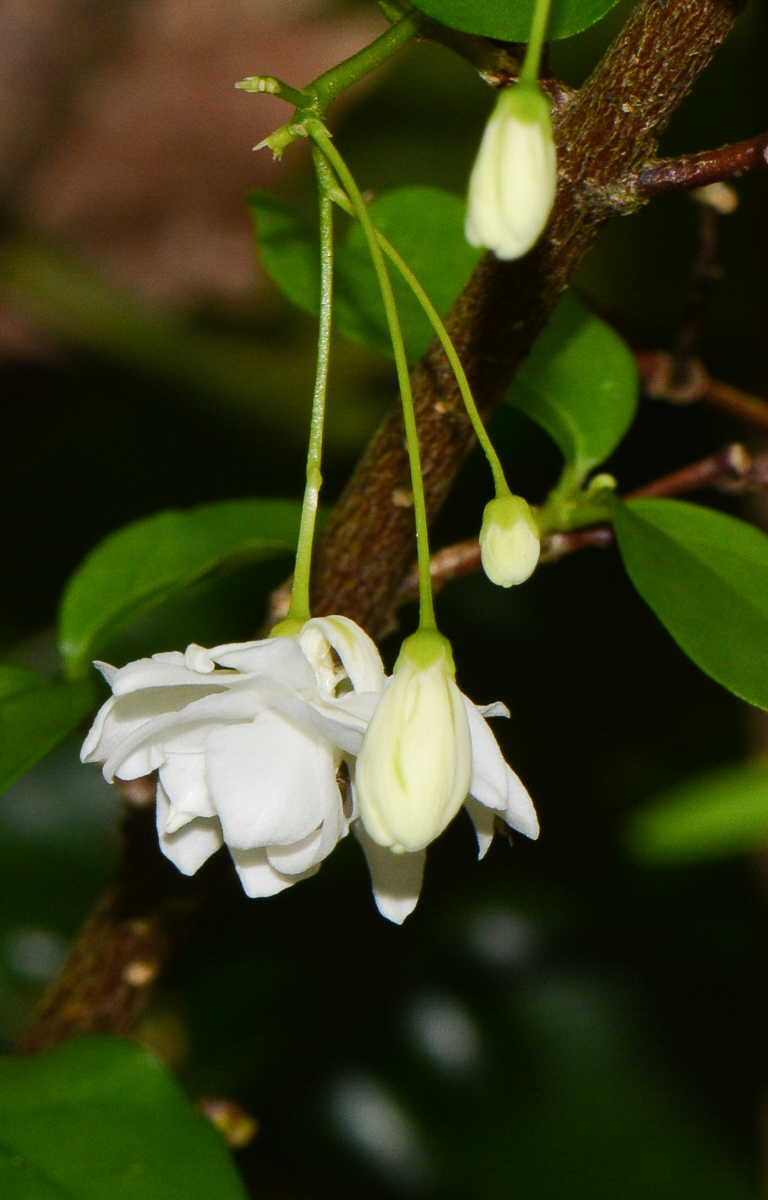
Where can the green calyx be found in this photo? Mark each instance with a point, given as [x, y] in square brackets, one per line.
[423, 649]
[290, 627]
[506, 511]
[526, 102]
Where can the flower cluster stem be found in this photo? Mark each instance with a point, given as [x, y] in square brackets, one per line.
[530, 72]
[299, 608]
[320, 136]
[435, 320]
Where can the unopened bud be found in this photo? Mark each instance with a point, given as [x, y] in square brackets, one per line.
[414, 767]
[509, 541]
[513, 181]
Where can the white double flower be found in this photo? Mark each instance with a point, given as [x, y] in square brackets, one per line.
[248, 739]
[427, 752]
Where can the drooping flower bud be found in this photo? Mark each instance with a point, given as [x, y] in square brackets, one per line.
[414, 768]
[509, 541]
[513, 181]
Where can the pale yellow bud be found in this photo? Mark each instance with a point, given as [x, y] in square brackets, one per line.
[413, 771]
[513, 181]
[509, 541]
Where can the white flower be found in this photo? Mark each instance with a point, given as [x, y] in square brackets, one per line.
[513, 182]
[509, 541]
[427, 751]
[247, 740]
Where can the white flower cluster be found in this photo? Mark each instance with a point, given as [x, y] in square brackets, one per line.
[248, 741]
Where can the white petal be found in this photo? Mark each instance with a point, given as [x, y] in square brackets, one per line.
[191, 846]
[272, 783]
[151, 673]
[520, 813]
[484, 820]
[489, 770]
[494, 783]
[395, 878]
[91, 750]
[279, 659]
[358, 653]
[342, 721]
[184, 783]
[258, 877]
[145, 721]
[107, 670]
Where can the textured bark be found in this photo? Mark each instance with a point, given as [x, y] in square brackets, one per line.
[126, 941]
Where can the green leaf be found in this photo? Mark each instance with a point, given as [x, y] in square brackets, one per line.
[580, 384]
[424, 224]
[510, 20]
[290, 249]
[141, 565]
[100, 1119]
[723, 812]
[34, 716]
[705, 575]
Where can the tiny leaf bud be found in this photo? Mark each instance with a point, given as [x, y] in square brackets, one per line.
[509, 541]
[413, 771]
[513, 181]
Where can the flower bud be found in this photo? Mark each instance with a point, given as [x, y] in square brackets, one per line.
[509, 541]
[513, 181]
[413, 771]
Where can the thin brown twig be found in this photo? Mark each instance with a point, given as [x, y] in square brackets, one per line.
[697, 170]
[730, 469]
[605, 134]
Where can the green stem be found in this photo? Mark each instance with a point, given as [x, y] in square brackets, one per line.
[530, 71]
[502, 488]
[328, 85]
[299, 609]
[426, 608]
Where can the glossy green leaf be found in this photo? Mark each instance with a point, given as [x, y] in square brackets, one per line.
[141, 565]
[723, 812]
[34, 716]
[424, 224]
[510, 20]
[705, 575]
[100, 1119]
[580, 383]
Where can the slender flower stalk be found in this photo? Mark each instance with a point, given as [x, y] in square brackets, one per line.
[509, 537]
[320, 136]
[299, 611]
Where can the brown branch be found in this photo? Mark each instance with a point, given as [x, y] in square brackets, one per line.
[731, 469]
[697, 170]
[605, 133]
[126, 942]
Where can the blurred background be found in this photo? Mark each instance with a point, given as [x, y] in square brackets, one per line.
[562, 1021]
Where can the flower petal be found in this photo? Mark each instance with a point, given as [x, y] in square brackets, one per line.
[489, 770]
[484, 820]
[493, 782]
[183, 779]
[395, 878]
[258, 877]
[191, 846]
[279, 659]
[272, 782]
[358, 653]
